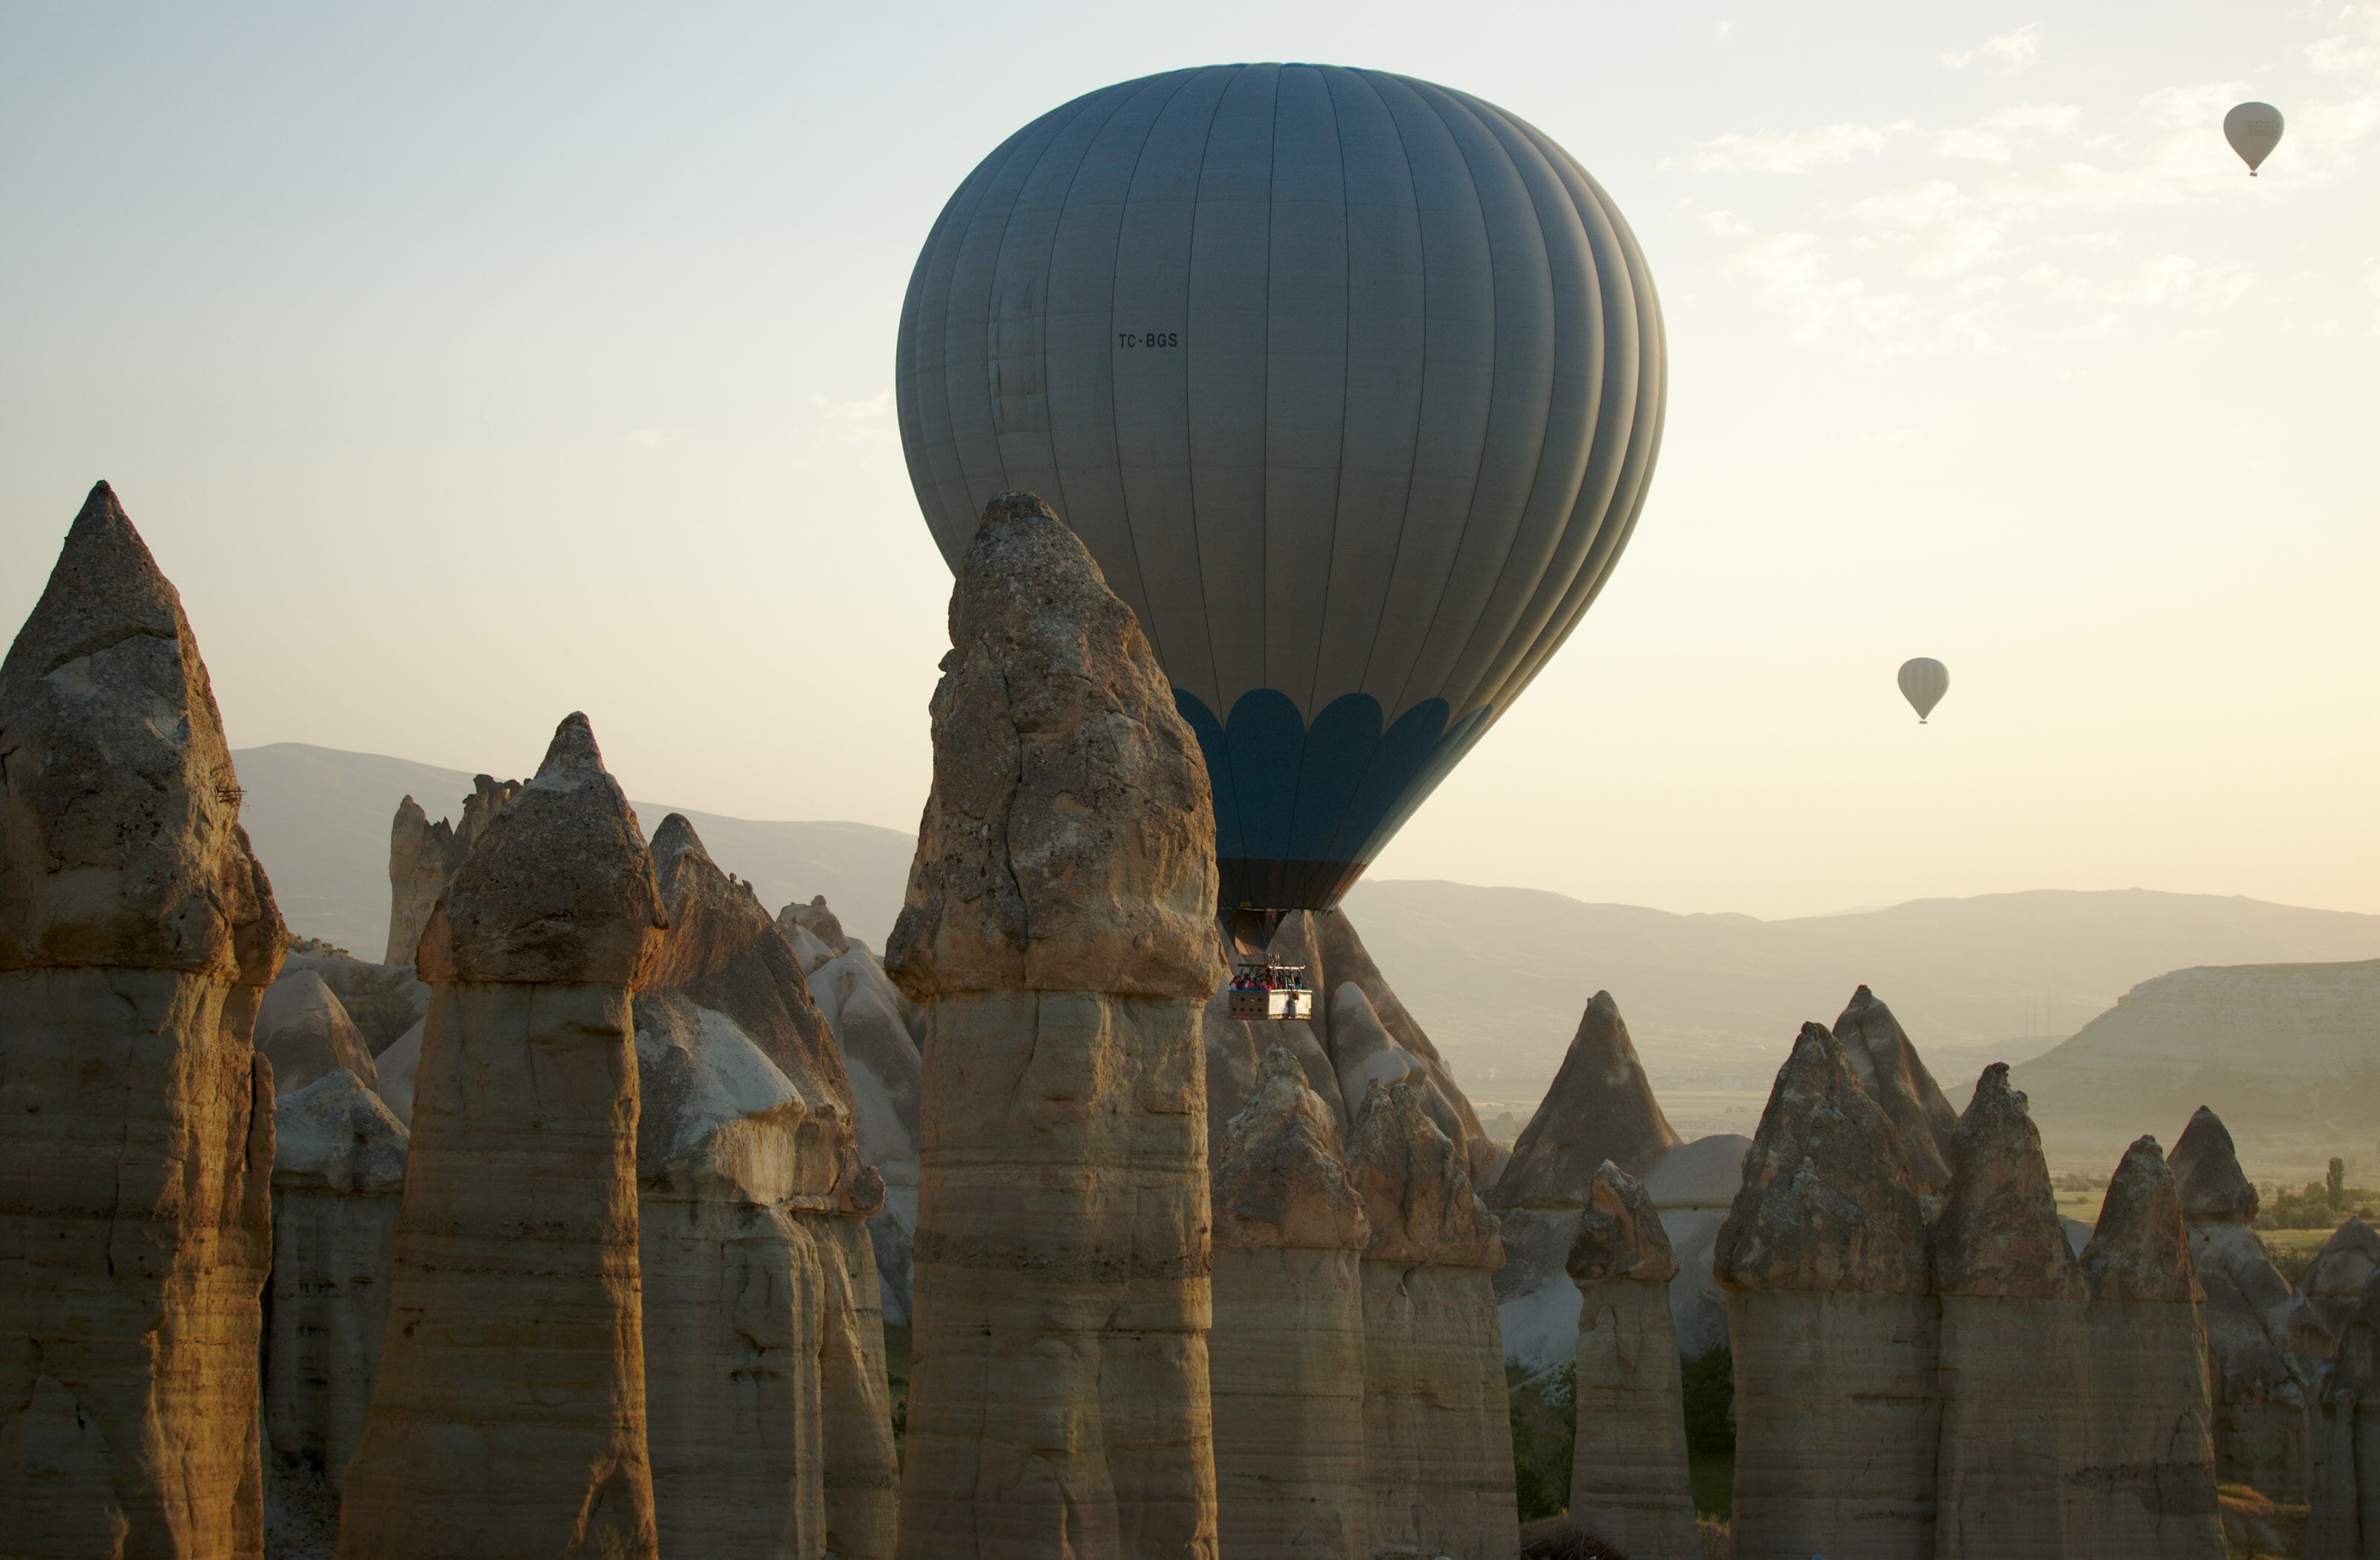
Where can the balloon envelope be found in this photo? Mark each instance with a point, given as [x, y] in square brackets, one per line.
[2253, 130]
[1353, 384]
[1922, 683]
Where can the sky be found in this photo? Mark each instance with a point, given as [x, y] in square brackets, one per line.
[468, 365]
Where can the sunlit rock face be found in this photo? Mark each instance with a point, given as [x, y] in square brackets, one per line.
[1437, 1443]
[509, 1413]
[770, 1435]
[2266, 1349]
[2146, 1484]
[1059, 932]
[137, 934]
[1286, 1352]
[338, 1175]
[2011, 1295]
[1835, 1332]
[1627, 1482]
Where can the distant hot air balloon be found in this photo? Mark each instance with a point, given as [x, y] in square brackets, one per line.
[1923, 684]
[2253, 130]
[1352, 383]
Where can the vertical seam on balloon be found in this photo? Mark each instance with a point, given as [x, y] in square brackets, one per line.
[1421, 398]
[1124, 213]
[1264, 425]
[992, 184]
[1495, 362]
[939, 337]
[1000, 258]
[1480, 112]
[1346, 339]
[1189, 414]
[1049, 270]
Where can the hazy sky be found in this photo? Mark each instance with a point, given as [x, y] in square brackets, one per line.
[467, 365]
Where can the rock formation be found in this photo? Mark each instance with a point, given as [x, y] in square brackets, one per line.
[877, 1030]
[2012, 1297]
[1692, 1188]
[2334, 1280]
[509, 1413]
[338, 1169]
[2265, 1346]
[422, 855]
[137, 933]
[1600, 1109]
[1628, 1484]
[303, 1030]
[1287, 1347]
[752, 1206]
[1895, 1077]
[1059, 930]
[1437, 1442]
[1824, 1258]
[2146, 1484]
[2345, 1518]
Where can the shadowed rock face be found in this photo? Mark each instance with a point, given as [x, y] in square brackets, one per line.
[1416, 1186]
[1828, 1201]
[2346, 1517]
[514, 1315]
[1998, 1233]
[137, 932]
[303, 1030]
[1894, 1076]
[2206, 1169]
[1600, 1109]
[1059, 929]
[1043, 865]
[1620, 1236]
[2140, 1248]
[2335, 1279]
[1281, 1182]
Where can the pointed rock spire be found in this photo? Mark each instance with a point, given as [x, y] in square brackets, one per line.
[1896, 1078]
[1415, 1182]
[559, 890]
[1600, 1107]
[2139, 1249]
[1281, 1182]
[1828, 1202]
[120, 842]
[2335, 1279]
[1998, 1233]
[1620, 1236]
[2206, 1169]
[1068, 842]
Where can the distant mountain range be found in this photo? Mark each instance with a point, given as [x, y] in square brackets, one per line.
[1498, 976]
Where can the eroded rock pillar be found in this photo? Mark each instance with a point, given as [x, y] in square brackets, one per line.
[1627, 1482]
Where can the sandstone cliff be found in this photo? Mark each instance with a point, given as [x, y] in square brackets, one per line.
[2145, 1485]
[1287, 1347]
[1824, 1257]
[137, 933]
[1059, 930]
[338, 1172]
[1627, 1482]
[1438, 1443]
[2011, 1295]
[509, 1414]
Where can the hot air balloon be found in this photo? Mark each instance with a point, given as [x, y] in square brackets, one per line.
[1923, 684]
[2253, 130]
[1353, 384]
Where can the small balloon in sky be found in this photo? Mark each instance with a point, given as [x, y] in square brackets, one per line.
[2253, 130]
[1923, 684]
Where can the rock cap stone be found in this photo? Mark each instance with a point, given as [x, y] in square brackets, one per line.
[2206, 1169]
[1998, 1235]
[559, 888]
[1600, 1109]
[1828, 1202]
[1620, 1236]
[1897, 1079]
[1416, 1183]
[336, 1135]
[120, 841]
[1068, 842]
[2140, 1248]
[1280, 1183]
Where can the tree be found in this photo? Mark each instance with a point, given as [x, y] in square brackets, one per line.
[2336, 1183]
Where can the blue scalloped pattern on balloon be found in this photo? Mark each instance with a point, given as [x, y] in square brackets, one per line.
[1334, 791]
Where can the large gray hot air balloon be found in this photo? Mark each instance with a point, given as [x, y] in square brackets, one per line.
[1922, 683]
[2253, 130]
[1352, 383]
